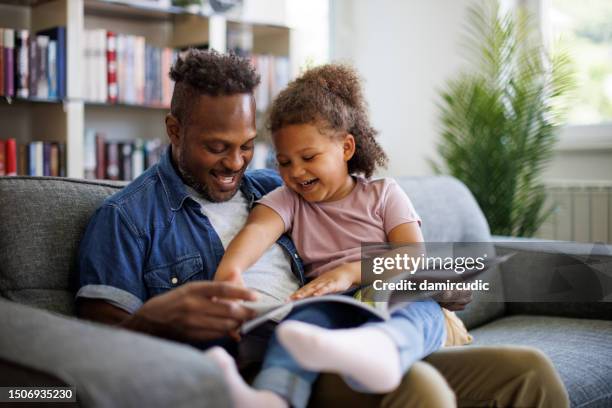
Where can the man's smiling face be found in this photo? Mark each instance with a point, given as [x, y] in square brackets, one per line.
[213, 149]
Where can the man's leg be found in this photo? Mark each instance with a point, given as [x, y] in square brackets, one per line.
[422, 386]
[508, 376]
[501, 376]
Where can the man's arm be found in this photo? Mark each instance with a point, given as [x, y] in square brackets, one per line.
[197, 311]
[110, 263]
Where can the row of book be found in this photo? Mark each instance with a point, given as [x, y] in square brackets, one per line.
[32, 159]
[118, 160]
[123, 68]
[33, 65]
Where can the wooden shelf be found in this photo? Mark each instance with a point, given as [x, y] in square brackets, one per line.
[124, 105]
[136, 11]
[24, 3]
[10, 101]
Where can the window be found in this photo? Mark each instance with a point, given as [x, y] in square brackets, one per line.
[584, 29]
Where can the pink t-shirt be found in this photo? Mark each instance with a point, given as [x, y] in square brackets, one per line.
[329, 234]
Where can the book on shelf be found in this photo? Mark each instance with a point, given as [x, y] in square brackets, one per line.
[22, 80]
[42, 81]
[111, 66]
[56, 58]
[100, 156]
[33, 65]
[36, 158]
[1, 61]
[63, 160]
[125, 161]
[112, 160]
[22, 159]
[46, 159]
[2, 158]
[10, 154]
[121, 68]
[104, 158]
[9, 62]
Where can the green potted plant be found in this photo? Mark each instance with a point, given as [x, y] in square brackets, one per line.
[499, 120]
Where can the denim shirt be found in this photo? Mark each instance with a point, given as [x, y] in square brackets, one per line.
[151, 237]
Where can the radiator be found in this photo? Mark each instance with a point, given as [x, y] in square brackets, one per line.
[582, 211]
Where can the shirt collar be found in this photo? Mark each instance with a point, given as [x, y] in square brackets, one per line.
[170, 180]
[175, 188]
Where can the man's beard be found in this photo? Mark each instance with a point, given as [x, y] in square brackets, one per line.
[199, 187]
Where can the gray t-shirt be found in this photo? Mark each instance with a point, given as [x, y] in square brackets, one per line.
[271, 275]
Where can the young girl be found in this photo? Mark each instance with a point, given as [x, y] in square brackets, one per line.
[324, 142]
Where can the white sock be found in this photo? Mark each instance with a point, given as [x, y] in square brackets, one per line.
[242, 395]
[367, 354]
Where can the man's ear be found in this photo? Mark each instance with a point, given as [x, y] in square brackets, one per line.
[173, 129]
[348, 146]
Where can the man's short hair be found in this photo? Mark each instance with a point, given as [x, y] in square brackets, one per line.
[198, 72]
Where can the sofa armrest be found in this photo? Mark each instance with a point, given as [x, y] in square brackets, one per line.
[109, 367]
[557, 278]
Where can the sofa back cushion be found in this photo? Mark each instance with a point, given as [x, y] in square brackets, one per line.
[451, 214]
[42, 221]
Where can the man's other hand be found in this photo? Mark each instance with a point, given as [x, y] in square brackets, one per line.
[454, 300]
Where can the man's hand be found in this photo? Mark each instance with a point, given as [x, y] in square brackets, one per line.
[454, 300]
[333, 281]
[196, 311]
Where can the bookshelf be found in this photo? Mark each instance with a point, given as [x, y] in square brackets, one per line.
[66, 120]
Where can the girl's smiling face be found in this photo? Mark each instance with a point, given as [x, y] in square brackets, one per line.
[314, 164]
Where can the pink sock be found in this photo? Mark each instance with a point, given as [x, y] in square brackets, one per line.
[242, 395]
[365, 354]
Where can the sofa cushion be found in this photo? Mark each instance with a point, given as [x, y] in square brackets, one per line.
[451, 214]
[109, 367]
[580, 349]
[43, 219]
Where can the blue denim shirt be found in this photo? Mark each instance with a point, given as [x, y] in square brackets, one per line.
[151, 237]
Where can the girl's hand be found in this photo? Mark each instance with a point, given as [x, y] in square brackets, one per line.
[333, 281]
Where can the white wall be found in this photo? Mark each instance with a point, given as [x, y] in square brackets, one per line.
[405, 51]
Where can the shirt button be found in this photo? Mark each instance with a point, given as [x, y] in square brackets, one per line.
[174, 280]
[295, 255]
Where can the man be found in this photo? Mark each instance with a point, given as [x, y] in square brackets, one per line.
[150, 251]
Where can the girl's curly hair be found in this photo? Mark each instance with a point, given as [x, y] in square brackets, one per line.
[330, 96]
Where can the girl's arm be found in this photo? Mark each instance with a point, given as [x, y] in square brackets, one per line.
[344, 276]
[263, 227]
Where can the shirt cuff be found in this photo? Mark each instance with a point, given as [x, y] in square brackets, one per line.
[115, 296]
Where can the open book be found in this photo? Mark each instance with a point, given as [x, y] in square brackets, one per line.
[378, 303]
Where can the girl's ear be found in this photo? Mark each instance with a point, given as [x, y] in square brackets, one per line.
[348, 147]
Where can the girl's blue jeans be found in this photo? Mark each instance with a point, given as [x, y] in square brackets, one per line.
[417, 329]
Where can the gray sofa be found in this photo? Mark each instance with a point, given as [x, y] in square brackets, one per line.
[42, 220]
